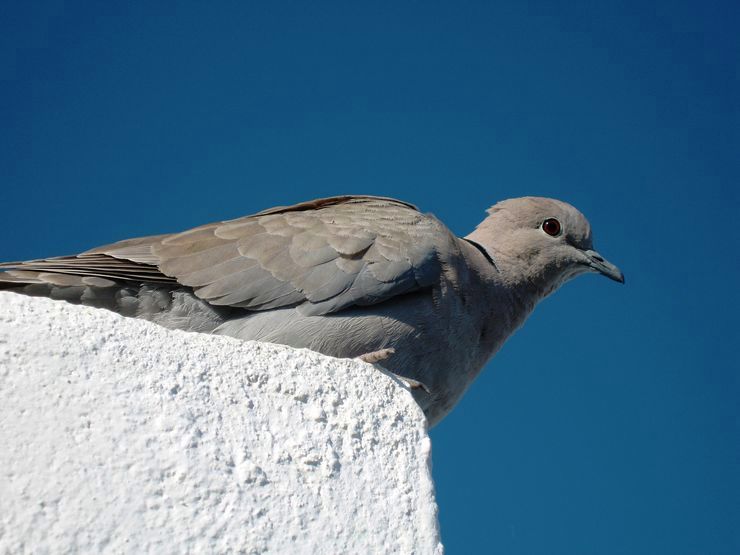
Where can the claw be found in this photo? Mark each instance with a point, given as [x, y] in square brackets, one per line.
[382, 354]
[413, 384]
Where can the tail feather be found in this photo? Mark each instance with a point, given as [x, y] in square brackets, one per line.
[77, 289]
[123, 277]
[174, 307]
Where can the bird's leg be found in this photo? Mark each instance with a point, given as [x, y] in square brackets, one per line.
[382, 354]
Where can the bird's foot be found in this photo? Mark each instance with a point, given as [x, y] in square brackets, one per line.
[413, 385]
[376, 356]
[382, 354]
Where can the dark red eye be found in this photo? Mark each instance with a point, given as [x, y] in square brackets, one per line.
[551, 226]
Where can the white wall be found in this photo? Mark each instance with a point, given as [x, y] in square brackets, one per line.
[118, 435]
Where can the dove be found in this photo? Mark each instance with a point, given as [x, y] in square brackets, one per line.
[347, 276]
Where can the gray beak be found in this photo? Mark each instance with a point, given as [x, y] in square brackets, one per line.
[598, 263]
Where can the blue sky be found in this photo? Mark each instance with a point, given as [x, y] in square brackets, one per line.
[610, 423]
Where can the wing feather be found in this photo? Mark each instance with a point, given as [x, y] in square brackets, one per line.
[321, 256]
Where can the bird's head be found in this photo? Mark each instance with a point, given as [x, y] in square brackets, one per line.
[540, 241]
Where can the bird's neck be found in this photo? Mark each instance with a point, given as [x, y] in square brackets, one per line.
[508, 300]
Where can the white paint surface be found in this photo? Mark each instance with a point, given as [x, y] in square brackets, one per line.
[117, 435]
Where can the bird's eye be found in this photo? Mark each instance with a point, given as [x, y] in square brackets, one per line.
[551, 226]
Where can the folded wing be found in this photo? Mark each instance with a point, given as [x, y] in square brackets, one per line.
[321, 256]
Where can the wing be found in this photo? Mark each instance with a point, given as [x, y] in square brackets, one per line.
[321, 256]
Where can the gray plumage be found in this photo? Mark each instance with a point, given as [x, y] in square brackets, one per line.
[345, 276]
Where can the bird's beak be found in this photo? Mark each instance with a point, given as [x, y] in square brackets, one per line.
[598, 263]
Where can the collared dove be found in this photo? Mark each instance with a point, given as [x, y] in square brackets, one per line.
[348, 276]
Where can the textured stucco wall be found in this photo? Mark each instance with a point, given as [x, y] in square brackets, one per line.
[118, 435]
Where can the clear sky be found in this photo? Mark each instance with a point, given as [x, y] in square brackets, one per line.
[610, 423]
